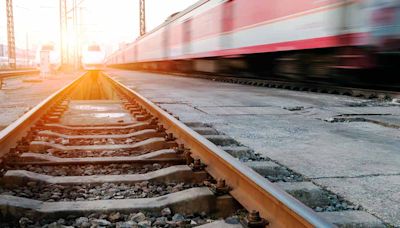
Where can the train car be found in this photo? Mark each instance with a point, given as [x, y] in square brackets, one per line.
[308, 39]
[93, 57]
[54, 56]
[24, 58]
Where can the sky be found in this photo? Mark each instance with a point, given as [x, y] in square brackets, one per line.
[109, 22]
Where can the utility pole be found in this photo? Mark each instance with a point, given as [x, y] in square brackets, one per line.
[75, 32]
[63, 32]
[142, 18]
[10, 35]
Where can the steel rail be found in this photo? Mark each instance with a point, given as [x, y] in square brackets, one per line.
[249, 188]
[11, 134]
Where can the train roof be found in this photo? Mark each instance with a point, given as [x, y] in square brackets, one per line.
[173, 17]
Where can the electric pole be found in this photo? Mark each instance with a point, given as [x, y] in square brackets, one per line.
[10, 35]
[63, 32]
[142, 18]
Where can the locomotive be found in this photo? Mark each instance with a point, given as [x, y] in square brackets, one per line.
[318, 40]
[93, 57]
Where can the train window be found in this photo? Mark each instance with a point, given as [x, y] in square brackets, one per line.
[94, 48]
[48, 47]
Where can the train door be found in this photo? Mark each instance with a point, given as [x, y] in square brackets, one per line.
[186, 36]
[165, 42]
[227, 24]
[135, 53]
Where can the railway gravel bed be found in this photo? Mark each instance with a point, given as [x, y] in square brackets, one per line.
[121, 220]
[106, 191]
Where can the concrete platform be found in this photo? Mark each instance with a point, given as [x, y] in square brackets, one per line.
[352, 219]
[379, 195]
[18, 96]
[290, 127]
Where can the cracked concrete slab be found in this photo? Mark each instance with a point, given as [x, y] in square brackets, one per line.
[353, 219]
[379, 195]
[301, 139]
[223, 110]
[318, 149]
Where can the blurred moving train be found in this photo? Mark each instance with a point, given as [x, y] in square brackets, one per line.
[307, 39]
[93, 57]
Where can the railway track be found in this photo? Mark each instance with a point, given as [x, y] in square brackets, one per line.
[97, 154]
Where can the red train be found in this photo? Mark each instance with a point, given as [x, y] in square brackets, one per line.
[312, 39]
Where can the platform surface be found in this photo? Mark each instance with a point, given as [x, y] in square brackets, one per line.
[20, 94]
[358, 159]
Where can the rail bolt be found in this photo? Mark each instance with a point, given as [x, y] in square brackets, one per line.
[188, 156]
[180, 149]
[197, 165]
[13, 150]
[170, 137]
[254, 220]
[22, 148]
[221, 188]
[154, 121]
[160, 128]
[40, 122]
[24, 141]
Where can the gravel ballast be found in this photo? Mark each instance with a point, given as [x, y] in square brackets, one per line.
[106, 191]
